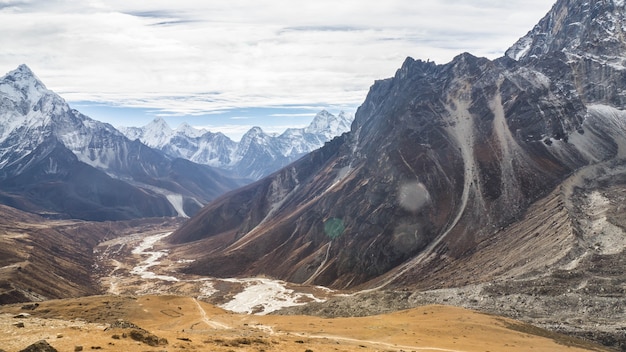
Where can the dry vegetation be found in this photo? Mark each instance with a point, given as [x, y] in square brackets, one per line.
[173, 323]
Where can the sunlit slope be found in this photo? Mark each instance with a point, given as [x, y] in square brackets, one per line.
[187, 324]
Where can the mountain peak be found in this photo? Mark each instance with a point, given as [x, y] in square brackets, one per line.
[321, 120]
[156, 133]
[190, 131]
[183, 126]
[159, 121]
[23, 79]
[25, 100]
[23, 68]
[576, 26]
[329, 125]
[23, 74]
[256, 130]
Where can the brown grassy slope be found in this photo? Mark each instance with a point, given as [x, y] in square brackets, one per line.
[189, 325]
[45, 259]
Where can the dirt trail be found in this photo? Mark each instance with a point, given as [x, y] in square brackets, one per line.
[377, 343]
[206, 320]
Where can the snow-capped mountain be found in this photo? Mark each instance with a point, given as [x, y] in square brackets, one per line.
[587, 28]
[55, 160]
[256, 155]
[158, 133]
[187, 142]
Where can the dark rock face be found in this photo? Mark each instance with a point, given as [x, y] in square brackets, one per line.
[580, 39]
[589, 27]
[438, 159]
[424, 162]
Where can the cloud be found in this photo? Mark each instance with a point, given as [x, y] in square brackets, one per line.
[193, 57]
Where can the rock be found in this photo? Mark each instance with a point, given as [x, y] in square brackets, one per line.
[30, 306]
[78, 348]
[19, 325]
[147, 338]
[122, 324]
[40, 346]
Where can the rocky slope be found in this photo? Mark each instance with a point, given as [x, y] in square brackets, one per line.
[58, 162]
[258, 153]
[558, 267]
[438, 160]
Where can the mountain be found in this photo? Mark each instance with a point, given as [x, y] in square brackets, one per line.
[58, 162]
[577, 28]
[440, 164]
[257, 154]
[186, 142]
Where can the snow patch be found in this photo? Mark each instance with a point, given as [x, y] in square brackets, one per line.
[258, 295]
[520, 49]
[263, 296]
[207, 290]
[176, 200]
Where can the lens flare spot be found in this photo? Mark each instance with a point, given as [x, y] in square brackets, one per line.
[334, 227]
[412, 196]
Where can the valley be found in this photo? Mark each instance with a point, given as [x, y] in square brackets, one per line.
[475, 205]
[142, 264]
[140, 274]
[137, 270]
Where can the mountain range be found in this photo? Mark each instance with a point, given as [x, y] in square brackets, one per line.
[440, 162]
[57, 162]
[258, 154]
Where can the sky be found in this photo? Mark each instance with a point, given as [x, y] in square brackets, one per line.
[228, 65]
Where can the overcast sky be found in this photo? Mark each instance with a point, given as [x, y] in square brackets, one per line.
[231, 64]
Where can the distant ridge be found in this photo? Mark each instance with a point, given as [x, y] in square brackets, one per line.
[257, 154]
